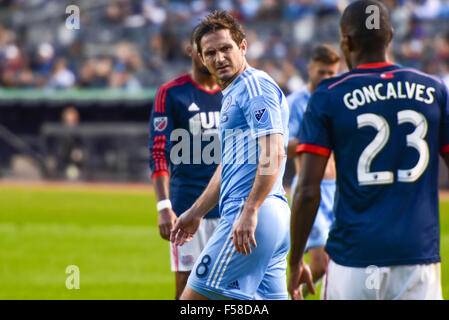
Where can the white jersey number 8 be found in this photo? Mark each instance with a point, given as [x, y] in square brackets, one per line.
[414, 140]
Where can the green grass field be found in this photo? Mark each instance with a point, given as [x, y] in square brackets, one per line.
[111, 236]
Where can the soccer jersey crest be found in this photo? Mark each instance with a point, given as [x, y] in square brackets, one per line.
[160, 123]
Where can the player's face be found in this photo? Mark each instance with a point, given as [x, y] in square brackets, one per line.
[319, 71]
[196, 60]
[222, 56]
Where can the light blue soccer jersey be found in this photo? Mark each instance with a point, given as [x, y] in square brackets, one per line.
[297, 103]
[253, 106]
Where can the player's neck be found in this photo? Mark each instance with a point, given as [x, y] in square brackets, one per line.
[365, 58]
[224, 84]
[204, 80]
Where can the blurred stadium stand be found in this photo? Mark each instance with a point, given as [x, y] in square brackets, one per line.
[109, 70]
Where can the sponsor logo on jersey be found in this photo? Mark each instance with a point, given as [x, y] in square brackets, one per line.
[193, 107]
[160, 123]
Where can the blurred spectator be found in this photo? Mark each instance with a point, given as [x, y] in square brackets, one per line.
[62, 78]
[70, 154]
[133, 44]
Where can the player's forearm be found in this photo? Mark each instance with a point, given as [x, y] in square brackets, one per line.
[270, 161]
[291, 149]
[209, 198]
[305, 204]
[162, 187]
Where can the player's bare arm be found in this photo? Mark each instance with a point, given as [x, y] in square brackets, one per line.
[189, 221]
[291, 148]
[329, 173]
[167, 217]
[270, 160]
[306, 201]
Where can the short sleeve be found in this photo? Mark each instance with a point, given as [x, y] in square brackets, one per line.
[315, 132]
[262, 109]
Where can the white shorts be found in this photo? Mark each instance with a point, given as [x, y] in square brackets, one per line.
[407, 282]
[183, 257]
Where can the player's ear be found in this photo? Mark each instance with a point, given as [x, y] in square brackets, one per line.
[390, 36]
[189, 50]
[243, 46]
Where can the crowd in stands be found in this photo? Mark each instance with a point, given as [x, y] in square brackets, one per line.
[135, 44]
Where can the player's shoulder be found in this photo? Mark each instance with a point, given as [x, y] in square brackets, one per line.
[429, 78]
[176, 82]
[260, 83]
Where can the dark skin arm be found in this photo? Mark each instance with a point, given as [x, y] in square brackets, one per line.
[291, 149]
[167, 217]
[306, 201]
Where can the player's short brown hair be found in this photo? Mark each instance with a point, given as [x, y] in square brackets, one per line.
[219, 20]
[326, 54]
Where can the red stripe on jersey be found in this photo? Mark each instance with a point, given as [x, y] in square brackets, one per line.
[175, 256]
[162, 93]
[159, 173]
[158, 100]
[158, 154]
[375, 65]
[444, 149]
[322, 151]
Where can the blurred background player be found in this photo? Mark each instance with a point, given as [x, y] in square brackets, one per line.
[324, 64]
[386, 125]
[246, 256]
[192, 103]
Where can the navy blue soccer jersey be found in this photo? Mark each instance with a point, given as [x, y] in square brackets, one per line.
[184, 141]
[386, 125]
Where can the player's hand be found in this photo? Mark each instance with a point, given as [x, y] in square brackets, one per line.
[243, 234]
[300, 274]
[166, 220]
[185, 228]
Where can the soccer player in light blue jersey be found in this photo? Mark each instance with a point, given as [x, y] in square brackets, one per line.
[246, 256]
[324, 64]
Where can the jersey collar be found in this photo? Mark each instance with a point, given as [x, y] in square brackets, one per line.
[189, 78]
[228, 88]
[375, 65]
